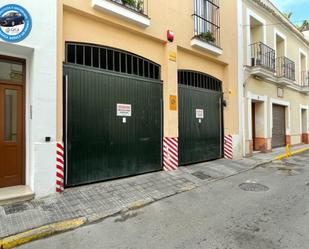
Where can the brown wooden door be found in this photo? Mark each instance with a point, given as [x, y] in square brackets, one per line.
[11, 135]
[253, 127]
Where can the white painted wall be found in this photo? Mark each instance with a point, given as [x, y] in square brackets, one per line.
[306, 34]
[251, 13]
[304, 119]
[39, 50]
[241, 115]
[261, 98]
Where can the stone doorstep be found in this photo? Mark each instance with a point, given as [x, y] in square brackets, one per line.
[15, 194]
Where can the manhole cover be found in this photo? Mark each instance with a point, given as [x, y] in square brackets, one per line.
[201, 175]
[255, 187]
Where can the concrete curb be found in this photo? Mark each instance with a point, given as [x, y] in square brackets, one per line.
[63, 226]
[292, 153]
[40, 232]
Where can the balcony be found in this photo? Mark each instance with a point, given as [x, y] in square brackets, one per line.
[285, 70]
[262, 61]
[135, 11]
[262, 56]
[207, 26]
[281, 71]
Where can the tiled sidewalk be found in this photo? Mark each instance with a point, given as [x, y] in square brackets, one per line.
[97, 201]
[93, 202]
[223, 168]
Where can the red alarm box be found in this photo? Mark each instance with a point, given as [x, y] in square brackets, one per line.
[170, 35]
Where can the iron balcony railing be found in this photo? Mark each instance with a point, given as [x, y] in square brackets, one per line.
[139, 6]
[305, 78]
[207, 21]
[263, 55]
[285, 68]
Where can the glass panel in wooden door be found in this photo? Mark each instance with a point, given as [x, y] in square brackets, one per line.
[11, 135]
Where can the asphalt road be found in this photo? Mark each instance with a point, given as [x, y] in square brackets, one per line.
[219, 215]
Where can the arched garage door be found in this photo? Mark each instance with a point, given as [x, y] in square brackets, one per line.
[200, 117]
[113, 114]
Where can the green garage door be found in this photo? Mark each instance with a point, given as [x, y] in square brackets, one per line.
[113, 115]
[200, 117]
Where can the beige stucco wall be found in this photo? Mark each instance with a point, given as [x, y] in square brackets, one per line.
[78, 21]
[267, 90]
[293, 43]
[293, 97]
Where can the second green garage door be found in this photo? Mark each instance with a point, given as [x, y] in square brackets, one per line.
[200, 117]
[113, 115]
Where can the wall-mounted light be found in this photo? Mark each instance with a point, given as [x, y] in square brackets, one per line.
[224, 103]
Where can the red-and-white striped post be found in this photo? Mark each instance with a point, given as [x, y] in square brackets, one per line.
[170, 154]
[228, 147]
[60, 168]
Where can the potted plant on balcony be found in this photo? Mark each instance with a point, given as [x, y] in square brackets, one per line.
[208, 36]
[129, 3]
[140, 6]
[136, 5]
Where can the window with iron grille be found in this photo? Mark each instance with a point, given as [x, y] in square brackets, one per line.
[111, 59]
[207, 21]
[199, 80]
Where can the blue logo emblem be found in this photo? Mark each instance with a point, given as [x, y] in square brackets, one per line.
[15, 23]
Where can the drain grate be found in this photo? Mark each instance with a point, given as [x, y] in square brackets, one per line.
[201, 175]
[254, 187]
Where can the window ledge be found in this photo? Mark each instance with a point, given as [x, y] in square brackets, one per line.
[305, 89]
[199, 44]
[285, 81]
[122, 12]
[262, 72]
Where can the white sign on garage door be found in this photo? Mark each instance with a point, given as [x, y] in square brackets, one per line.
[124, 110]
[199, 113]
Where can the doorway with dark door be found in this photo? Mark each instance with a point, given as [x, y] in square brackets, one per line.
[259, 123]
[279, 128]
[253, 127]
[304, 125]
[12, 161]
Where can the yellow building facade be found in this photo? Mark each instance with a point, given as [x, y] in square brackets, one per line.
[275, 80]
[197, 38]
[135, 86]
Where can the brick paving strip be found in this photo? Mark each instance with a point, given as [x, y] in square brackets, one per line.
[97, 201]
